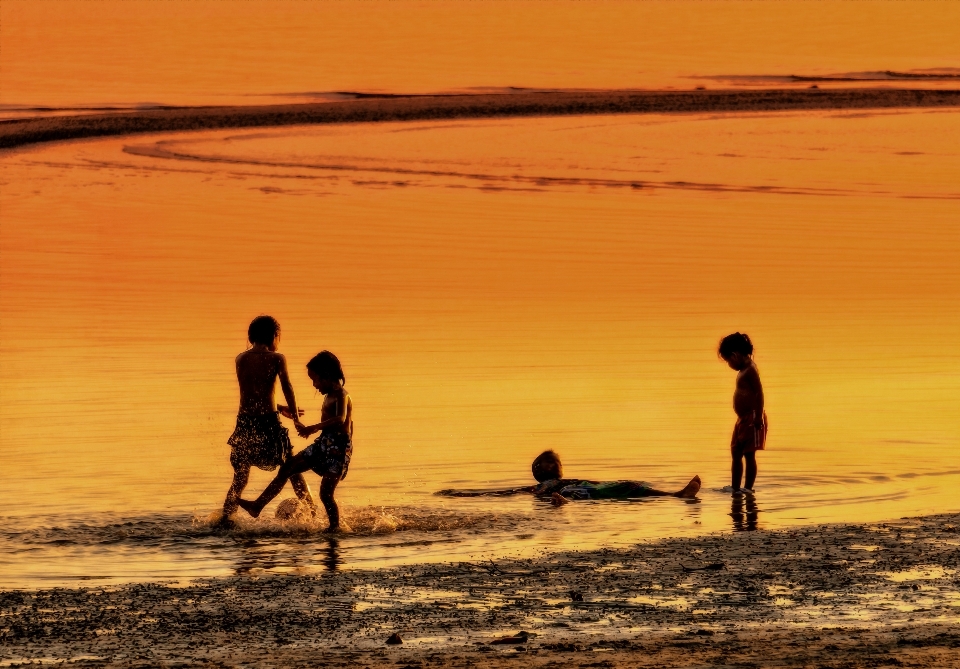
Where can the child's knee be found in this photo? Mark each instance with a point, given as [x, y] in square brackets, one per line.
[328, 486]
[289, 469]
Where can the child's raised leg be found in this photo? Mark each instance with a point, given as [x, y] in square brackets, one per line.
[292, 467]
[690, 490]
[241, 475]
[328, 484]
[302, 490]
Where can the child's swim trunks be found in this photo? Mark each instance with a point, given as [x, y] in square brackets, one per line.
[330, 454]
[259, 440]
[606, 490]
[747, 438]
[580, 489]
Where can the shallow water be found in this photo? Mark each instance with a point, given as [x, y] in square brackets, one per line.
[73, 54]
[493, 288]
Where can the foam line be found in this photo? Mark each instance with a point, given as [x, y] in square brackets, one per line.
[374, 109]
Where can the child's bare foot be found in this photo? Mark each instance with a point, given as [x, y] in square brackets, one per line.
[332, 530]
[558, 500]
[249, 507]
[691, 489]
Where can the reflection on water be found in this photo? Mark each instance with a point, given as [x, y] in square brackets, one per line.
[291, 556]
[745, 512]
[331, 558]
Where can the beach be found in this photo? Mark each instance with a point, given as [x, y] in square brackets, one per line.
[870, 595]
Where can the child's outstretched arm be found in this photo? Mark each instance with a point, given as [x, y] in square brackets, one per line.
[285, 411]
[287, 389]
[338, 420]
[452, 492]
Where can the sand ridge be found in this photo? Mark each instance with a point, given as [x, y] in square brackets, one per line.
[833, 596]
[366, 108]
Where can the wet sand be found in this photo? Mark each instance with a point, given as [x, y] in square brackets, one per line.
[826, 596]
[379, 108]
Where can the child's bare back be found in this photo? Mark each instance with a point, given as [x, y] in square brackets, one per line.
[257, 372]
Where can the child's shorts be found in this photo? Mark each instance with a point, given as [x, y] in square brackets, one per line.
[330, 454]
[748, 439]
[259, 440]
[606, 490]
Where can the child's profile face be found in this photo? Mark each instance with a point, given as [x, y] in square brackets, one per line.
[320, 383]
[737, 361]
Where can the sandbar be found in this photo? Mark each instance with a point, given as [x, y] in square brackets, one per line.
[366, 108]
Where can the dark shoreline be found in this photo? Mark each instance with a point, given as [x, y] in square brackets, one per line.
[863, 595]
[378, 108]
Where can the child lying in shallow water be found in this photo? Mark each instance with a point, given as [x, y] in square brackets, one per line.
[548, 471]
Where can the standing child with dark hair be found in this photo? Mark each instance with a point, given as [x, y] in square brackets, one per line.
[328, 456]
[750, 432]
[259, 440]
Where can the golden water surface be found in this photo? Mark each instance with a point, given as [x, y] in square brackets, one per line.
[493, 288]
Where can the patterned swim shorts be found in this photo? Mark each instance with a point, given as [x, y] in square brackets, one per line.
[259, 440]
[330, 454]
[747, 438]
[606, 490]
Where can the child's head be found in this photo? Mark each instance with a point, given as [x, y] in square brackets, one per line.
[547, 467]
[325, 371]
[736, 350]
[263, 330]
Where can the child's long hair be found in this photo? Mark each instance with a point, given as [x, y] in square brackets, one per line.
[737, 342]
[327, 366]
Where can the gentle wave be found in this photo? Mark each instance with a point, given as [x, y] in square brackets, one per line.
[485, 181]
[162, 529]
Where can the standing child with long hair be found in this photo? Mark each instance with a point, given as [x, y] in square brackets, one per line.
[328, 456]
[750, 431]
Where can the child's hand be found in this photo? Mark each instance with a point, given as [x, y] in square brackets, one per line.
[303, 430]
